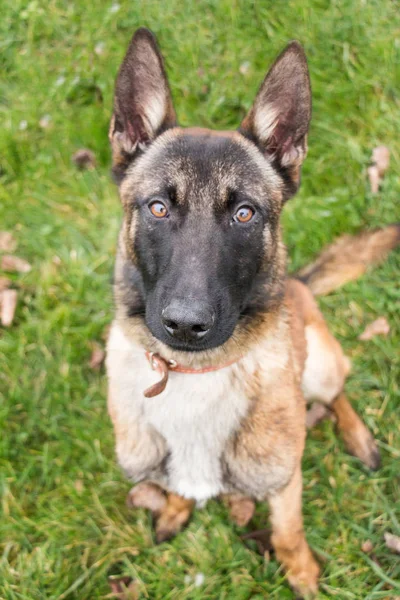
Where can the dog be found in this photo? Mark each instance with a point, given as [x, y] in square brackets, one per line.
[214, 352]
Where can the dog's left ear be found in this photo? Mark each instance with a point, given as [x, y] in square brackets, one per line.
[280, 116]
[142, 103]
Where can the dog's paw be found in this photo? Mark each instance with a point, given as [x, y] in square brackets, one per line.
[241, 509]
[360, 443]
[147, 495]
[305, 581]
[173, 517]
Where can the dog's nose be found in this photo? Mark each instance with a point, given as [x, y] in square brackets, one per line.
[187, 320]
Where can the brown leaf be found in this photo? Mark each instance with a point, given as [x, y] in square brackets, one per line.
[392, 542]
[378, 327]
[4, 283]
[97, 357]
[78, 485]
[7, 242]
[367, 547]
[244, 68]
[316, 414]
[8, 306]
[14, 264]
[84, 159]
[123, 588]
[380, 164]
[262, 537]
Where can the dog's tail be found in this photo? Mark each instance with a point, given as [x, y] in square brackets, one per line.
[348, 258]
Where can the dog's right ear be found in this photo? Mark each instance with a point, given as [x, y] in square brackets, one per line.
[142, 104]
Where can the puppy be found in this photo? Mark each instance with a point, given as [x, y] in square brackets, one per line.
[213, 352]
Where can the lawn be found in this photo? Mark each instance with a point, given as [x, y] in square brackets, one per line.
[64, 526]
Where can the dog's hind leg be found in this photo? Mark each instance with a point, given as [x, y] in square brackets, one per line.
[170, 511]
[325, 371]
[357, 438]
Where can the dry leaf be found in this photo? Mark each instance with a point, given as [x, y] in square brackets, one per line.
[97, 357]
[78, 485]
[378, 327]
[262, 537]
[4, 283]
[367, 547]
[380, 164]
[392, 542]
[8, 306]
[45, 121]
[315, 414]
[244, 68]
[84, 159]
[123, 588]
[14, 264]
[7, 242]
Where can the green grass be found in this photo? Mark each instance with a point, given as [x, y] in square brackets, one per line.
[64, 526]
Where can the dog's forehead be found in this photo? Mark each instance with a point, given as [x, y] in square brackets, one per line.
[199, 163]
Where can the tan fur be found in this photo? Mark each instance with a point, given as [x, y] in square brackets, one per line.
[356, 436]
[288, 537]
[170, 511]
[348, 258]
[241, 508]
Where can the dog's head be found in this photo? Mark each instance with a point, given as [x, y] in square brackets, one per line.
[201, 233]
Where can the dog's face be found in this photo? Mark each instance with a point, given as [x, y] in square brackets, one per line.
[201, 229]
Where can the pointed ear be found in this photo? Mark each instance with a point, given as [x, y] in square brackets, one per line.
[280, 116]
[142, 104]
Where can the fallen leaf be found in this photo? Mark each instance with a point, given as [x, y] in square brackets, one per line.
[392, 542]
[7, 242]
[244, 68]
[378, 327]
[97, 357]
[380, 164]
[316, 414]
[99, 48]
[4, 283]
[367, 547]
[14, 264]
[78, 485]
[8, 306]
[84, 159]
[262, 537]
[123, 588]
[45, 121]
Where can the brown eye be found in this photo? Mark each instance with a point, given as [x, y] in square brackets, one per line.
[244, 214]
[158, 209]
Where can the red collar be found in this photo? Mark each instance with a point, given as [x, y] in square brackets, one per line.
[160, 364]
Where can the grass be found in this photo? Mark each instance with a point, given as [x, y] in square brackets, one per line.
[64, 526]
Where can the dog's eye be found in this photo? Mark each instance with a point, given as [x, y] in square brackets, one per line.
[243, 215]
[158, 209]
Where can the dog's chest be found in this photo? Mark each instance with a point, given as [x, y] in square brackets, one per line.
[196, 415]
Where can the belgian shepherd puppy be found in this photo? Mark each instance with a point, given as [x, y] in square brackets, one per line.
[214, 352]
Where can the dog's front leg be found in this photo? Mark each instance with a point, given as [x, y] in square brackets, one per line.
[288, 537]
[170, 511]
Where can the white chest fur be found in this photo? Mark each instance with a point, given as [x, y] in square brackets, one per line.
[195, 415]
